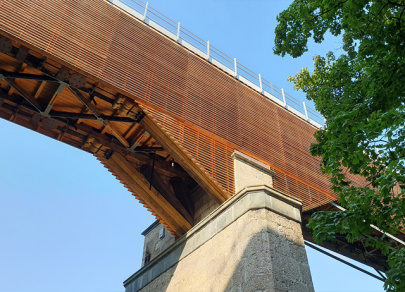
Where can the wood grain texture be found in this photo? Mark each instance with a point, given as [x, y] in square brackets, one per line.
[204, 114]
[136, 182]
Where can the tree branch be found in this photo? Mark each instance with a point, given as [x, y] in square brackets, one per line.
[396, 4]
[379, 11]
[327, 11]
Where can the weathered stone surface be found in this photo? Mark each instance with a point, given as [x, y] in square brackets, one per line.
[243, 246]
[203, 203]
[250, 172]
[155, 245]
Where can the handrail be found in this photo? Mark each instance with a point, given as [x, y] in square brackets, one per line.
[183, 36]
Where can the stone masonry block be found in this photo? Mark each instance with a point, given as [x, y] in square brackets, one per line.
[247, 244]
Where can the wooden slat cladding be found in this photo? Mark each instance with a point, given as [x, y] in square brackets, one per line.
[207, 111]
[134, 181]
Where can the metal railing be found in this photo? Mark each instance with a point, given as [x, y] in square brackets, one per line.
[203, 48]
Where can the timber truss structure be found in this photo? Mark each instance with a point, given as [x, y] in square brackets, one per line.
[46, 96]
[53, 97]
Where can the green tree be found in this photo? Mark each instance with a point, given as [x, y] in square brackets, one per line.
[361, 94]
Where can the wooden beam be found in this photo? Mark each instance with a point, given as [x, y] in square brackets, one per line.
[180, 156]
[105, 128]
[95, 112]
[28, 97]
[166, 190]
[135, 141]
[137, 183]
[128, 133]
[39, 90]
[57, 92]
[6, 74]
[83, 129]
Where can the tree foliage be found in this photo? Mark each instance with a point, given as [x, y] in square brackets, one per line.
[361, 94]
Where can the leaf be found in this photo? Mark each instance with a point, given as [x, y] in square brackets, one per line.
[361, 95]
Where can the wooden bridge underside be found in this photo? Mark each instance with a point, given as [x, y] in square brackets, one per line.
[53, 97]
[45, 96]
[40, 94]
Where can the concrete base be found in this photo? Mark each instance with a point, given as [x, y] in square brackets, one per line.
[252, 242]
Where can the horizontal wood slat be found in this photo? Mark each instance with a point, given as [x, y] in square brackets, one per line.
[206, 112]
[136, 182]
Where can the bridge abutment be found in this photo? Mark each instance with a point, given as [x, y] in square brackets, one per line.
[252, 242]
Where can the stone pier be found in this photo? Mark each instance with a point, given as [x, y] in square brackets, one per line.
[252, 242]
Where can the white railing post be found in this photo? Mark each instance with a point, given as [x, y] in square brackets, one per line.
[284, 101]
[178, 31]
[260, 83]
[274, 92]
[146, 10]
[306, 112]
[236, 67]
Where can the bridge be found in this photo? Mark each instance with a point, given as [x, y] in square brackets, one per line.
[167, 113]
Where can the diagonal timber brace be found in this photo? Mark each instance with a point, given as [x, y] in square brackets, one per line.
[189, 164]
[96, 113]
[28, 97]
[137, 183]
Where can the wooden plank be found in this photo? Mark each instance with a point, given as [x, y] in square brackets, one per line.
[180, 156]
[57, 92]
[281, 137]
[166, 190]
[95, 112]
[28, 97]
[138, 184]
[39, 90]
[20, 70]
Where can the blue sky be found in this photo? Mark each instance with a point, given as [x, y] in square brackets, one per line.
[66, 224]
